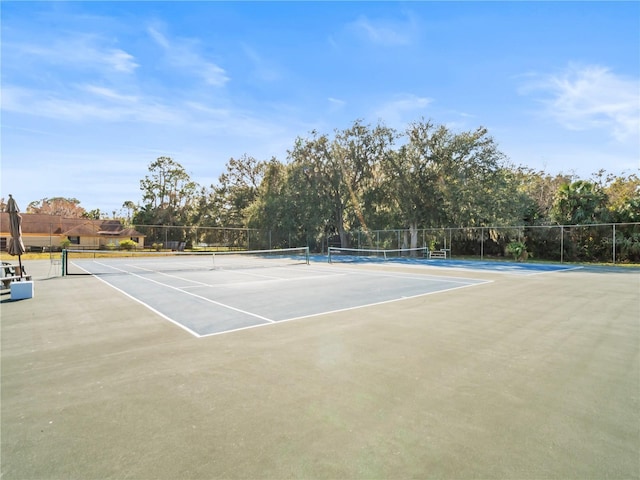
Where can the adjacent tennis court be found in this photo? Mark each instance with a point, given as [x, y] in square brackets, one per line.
[420, 257]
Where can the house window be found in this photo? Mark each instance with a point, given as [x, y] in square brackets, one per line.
[3, 243]
[74, 240]
[135, 239]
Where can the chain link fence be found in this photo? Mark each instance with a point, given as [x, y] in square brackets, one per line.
[608, 243]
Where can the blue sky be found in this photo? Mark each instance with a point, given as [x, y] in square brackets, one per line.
[93, 92]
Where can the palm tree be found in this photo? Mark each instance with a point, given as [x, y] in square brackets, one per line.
[579, 203]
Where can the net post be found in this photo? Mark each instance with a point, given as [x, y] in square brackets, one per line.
[306, 254]
[63, 261]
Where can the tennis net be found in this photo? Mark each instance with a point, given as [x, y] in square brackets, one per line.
[103, 262]
[337, 254]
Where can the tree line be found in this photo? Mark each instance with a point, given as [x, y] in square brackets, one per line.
[372, 177]
[367, 178]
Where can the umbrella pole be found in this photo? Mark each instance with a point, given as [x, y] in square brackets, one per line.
[20, 265]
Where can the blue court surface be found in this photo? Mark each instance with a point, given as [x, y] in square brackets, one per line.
[208, 301]
[516, 268]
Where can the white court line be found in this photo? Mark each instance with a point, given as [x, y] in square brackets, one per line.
[519, 272]
[255, 282]
[439, 278]
[191, 294]
[249, 274]
[166, 275]
[230, 284]
[184, 327]
[328, 312]
[522, 272]
[560, 270]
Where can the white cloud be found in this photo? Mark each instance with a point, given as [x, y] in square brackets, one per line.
[78, 51]
[385, 32]
[336, 103]
[158, 37]
[182, 54]
[109, 93]
[120, 61]
[205, 109]
[262, 68]
[402, 109]
[101, 104]
[591, 98]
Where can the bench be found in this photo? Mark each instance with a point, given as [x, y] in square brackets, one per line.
[438, 254]
[6, 281]
[11, 273]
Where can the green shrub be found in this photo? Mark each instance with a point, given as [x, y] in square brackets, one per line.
[128, 245]
[518, 250]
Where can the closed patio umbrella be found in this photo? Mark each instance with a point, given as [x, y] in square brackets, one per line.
[15, 245]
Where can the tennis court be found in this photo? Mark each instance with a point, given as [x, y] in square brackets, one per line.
[207, 294]
[432, 372]
[514, 268]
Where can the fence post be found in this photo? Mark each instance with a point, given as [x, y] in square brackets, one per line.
[561, 243]
[614, 244]
[481, 243]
